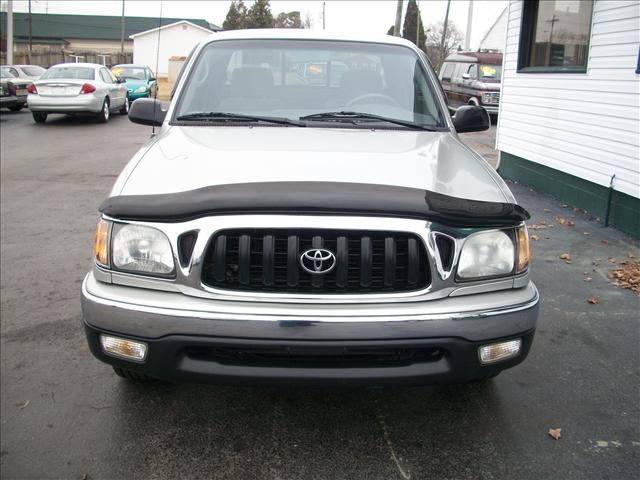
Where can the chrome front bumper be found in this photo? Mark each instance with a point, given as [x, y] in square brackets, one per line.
[272, 343]
[144, 313]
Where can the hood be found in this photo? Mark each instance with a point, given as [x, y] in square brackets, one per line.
[192, 157]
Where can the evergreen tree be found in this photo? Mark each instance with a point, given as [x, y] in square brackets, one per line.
[413, 24]
[259, 15]
[236, 16]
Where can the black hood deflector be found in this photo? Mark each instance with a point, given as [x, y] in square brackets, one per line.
[314, 198]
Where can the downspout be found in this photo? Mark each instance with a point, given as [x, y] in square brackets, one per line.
[610, 196]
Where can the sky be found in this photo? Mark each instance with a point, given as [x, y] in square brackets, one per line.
[355, 16]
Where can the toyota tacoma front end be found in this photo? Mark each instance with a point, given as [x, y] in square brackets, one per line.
[308, 214]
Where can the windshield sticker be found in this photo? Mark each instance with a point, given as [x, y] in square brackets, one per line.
[488, 71]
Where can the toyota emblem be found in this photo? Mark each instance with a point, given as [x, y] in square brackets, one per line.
[318, 260]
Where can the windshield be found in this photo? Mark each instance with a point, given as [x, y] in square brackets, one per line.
[73, 73]
[490, 72]
[6, 73]
[129, 72]
[33, 70]
[293, 79]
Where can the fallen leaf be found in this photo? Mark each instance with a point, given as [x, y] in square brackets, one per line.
[588, 279]
[586, 233]
[565, 256]
[560, 220]
[534, 237]
[611, 260]
[570, 223]
[547, 210]
[555, 433]
[23, 404]
[606, 242]
[630, 255]
[593, 300]
[564, 205]
[627, 276]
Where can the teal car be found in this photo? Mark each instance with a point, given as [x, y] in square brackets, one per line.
[140, 80]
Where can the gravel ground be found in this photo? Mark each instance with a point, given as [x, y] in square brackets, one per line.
[66, 415]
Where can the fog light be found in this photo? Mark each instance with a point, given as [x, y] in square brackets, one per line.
[123, 348]
[499, 351]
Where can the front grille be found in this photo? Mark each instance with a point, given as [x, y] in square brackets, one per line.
[315, 357]
[268, 260]
[494, 98]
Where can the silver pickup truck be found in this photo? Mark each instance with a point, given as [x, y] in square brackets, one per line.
[307, 214]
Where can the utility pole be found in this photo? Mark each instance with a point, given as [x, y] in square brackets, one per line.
[467, 37]
[122, 59]
[396, 27]
[417, 25]
[324, 14]
[10, 32]
[29, 31]
[444, 34]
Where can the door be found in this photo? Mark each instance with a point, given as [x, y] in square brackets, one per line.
[117, 91]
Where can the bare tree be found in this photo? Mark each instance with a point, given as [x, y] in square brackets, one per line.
[452, 41]
[307, 22]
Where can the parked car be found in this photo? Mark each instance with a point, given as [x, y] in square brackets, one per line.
[140, 80]
[6, 99]
[77, 88]
[32, 72]
[320, 233]
[16, 87]
[472, 78]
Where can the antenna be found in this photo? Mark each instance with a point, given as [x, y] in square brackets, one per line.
[155, 93]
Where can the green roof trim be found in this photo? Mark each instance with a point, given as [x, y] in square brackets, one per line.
[96, 27]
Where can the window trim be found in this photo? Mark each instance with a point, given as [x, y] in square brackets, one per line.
[527, 20]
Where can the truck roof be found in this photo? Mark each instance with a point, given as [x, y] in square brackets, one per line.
[489, 58]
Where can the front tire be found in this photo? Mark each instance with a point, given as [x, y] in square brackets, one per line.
[125, 107]
[133, 376]
[16, 108]
[39, 117]
[103, 116]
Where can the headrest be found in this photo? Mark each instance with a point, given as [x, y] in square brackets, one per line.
[251, 82]
[362, 81]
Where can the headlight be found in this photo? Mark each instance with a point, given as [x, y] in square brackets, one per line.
[141, 89]
[140, 249]
[486, 98]
[486, 254]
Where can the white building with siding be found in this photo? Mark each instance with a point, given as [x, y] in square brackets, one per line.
[160, 44]
[569, 118]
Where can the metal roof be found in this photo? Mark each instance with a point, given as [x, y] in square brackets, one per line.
[97, 27]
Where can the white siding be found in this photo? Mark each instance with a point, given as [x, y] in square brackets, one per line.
[175, 40]
[586, 125]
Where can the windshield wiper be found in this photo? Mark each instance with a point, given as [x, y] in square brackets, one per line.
[238, 117]
[353, 117]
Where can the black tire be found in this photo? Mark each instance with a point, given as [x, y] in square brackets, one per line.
[125, 108]
[105, 113]
[16, 108]
[132, 375]
[39, 117]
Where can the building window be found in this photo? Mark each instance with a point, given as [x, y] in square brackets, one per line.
[554, 35]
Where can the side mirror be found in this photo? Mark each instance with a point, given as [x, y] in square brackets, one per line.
[469, 118]
[466, 76]
[152, 79]
[120, 80]
[147, 111]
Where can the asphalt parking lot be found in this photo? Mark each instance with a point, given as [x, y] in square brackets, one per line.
[66, 415]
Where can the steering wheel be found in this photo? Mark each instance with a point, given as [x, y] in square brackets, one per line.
[373, 96]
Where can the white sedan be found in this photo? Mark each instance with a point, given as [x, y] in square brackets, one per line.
[77, 88]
